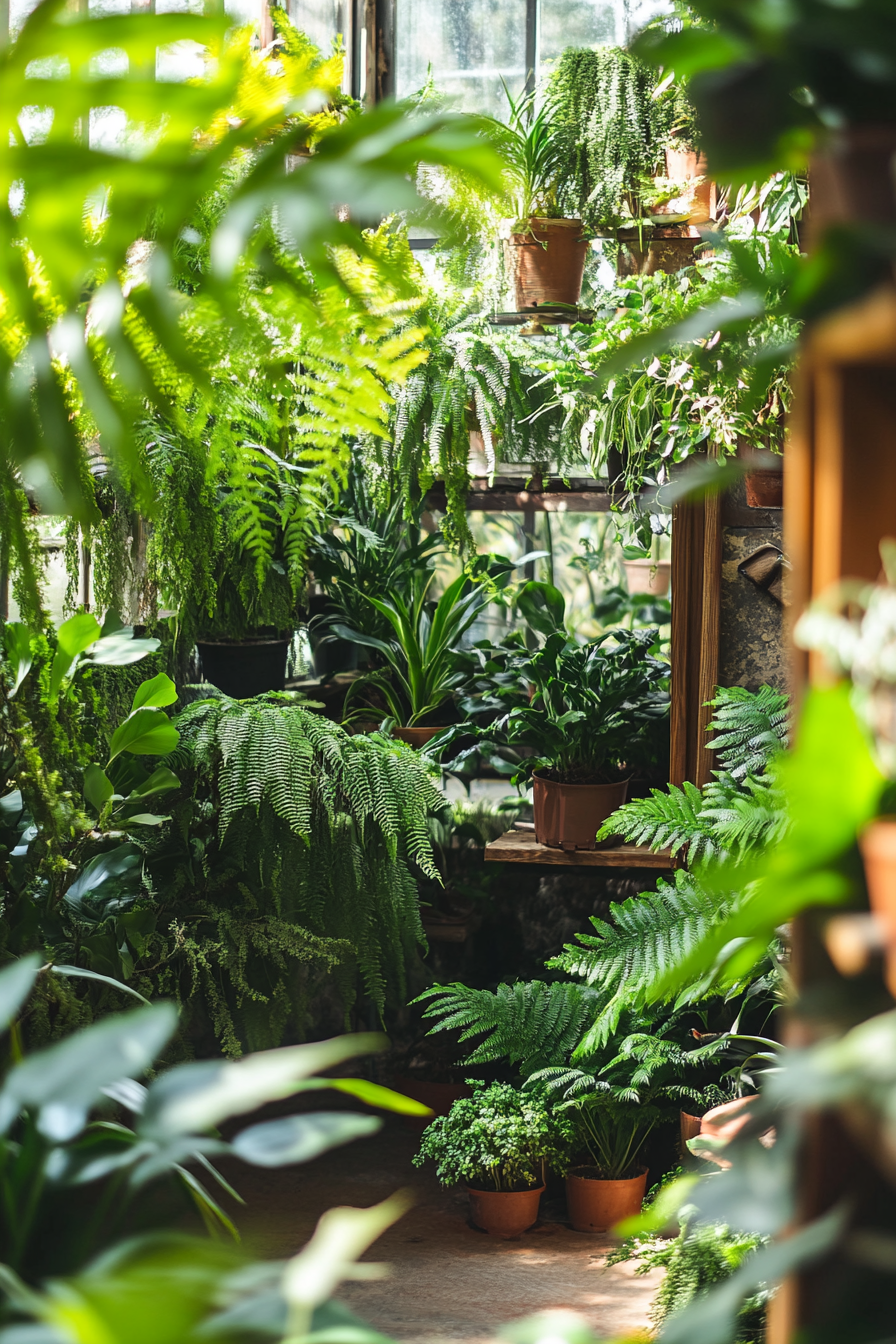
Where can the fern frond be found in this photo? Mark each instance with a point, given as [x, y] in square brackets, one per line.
[530, 1024]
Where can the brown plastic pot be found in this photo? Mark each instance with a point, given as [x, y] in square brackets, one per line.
[596, 1205]
[765, 489]
[546, 264]
[568, 816]
[416, 737]
[878, 846]
[504, 1213]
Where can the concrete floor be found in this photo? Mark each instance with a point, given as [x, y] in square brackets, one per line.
[450, 1282]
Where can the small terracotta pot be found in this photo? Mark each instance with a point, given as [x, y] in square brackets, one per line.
[416, 737]
[648, 576]
[596, 1205]
[878, 846]
[547, 263]
[568, 816]
[765, 489]
[690, 1128]
[691, 170]
[503, 1213]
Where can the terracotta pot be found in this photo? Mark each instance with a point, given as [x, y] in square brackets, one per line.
[648, 576]
[765, 489]
[641, 255]
[504, 1213]
[568, 816]
[596, 1205]
[691, 170]
[416, 737]
[439, 1097]
[546, 264]
[878, 846]
[690, 1128]
[244, 668]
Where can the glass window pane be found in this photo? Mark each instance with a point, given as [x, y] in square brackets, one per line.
[470, 44]
[591, 23]
[321, 20]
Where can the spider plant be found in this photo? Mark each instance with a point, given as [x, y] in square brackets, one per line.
[528, 142]
[420, 675]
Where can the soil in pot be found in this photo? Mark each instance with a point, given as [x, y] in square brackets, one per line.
[648, 576]
[546, 263]
[596, 1205]
[878, 846]
[243, 668]
[504, 1213]
[765, 489]
[568, 816]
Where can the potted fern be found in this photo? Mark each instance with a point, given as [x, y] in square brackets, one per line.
[499, 1143]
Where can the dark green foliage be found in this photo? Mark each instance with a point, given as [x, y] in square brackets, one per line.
[530, 1024]
[296, 843]
[612, 131]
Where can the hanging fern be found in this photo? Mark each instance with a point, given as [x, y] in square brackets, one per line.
[531, 1024]
[612, 131]
[297, 823]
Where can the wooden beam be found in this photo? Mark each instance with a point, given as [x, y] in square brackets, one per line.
[522, 847]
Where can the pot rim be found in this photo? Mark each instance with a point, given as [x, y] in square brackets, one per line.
[605, 1180]
[558, 784]
[564, 223]
[531, 1190]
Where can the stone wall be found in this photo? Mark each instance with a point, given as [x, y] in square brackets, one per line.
[752, 650]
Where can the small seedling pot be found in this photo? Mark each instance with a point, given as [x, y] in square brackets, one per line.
[568, 816]
[504, 1213]
[596, 1205]
[547, 262]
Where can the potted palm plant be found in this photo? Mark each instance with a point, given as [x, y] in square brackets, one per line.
[499, 1143]
[544, 252]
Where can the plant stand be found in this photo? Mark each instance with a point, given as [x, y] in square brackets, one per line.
[522, 847]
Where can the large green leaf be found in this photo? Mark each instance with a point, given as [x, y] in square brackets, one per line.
[542, 606]
[146, 732]
[299, 1138]
[156, 693]
[98, 787]
[16, 983]
[64, 1081]
[82, 973]
[113, 863]
[17, 650]
[162, 780]
[196, 1097]
[73, 637]
[120, 649]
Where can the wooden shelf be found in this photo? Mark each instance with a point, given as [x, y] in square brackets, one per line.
[522, 847]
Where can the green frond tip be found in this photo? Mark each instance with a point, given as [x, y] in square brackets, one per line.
[531, 1024]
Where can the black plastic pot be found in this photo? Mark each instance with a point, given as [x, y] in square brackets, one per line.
[331, 655]
[244, 668]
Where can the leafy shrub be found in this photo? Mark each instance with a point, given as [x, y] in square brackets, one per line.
[498, 1139]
